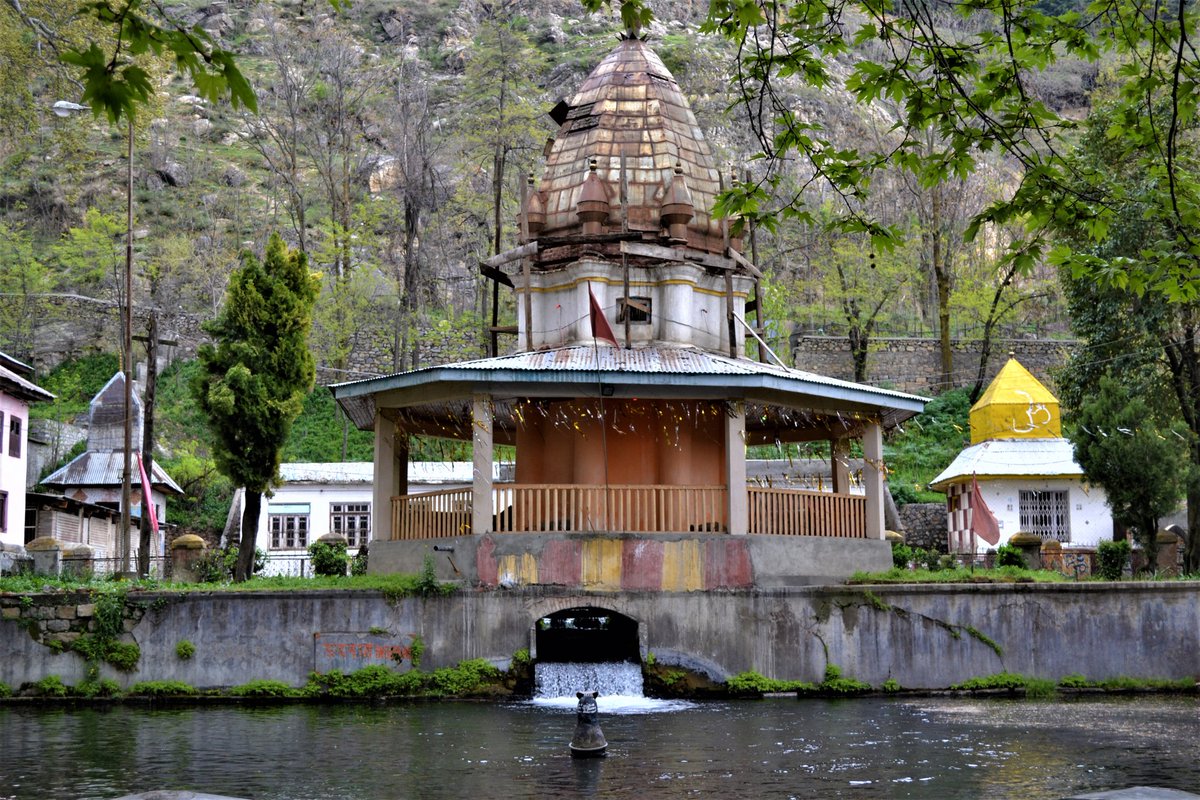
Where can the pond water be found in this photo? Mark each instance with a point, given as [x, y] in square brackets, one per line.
[863, 748]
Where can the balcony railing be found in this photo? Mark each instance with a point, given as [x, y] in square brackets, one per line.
[800, 512]
[521, 508]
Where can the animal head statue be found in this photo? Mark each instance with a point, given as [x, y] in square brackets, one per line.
[587, 703]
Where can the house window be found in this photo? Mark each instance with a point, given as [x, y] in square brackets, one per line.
[14, 436]
[352, 521]
[638, 308]
[1046, 514]
[288, 524]
[3, 512]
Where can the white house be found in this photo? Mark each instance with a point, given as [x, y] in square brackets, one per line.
[1026, 470]
[316, 499]
[16, 393]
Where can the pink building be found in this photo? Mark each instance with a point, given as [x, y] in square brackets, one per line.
[16, 393]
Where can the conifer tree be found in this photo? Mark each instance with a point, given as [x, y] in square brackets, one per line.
[1144, 470]
[252, 382]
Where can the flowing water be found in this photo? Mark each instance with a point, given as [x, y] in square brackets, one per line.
[864, 748]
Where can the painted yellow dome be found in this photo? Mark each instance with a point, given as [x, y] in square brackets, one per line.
[1015, 406]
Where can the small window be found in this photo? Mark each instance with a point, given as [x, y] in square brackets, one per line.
[3, 512]
[638, 307]
[14, 436]
[351, 521]
[289, 531]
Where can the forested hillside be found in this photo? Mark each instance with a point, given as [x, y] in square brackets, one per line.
[390, 144]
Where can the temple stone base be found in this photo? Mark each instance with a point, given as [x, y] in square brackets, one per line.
[636, 562]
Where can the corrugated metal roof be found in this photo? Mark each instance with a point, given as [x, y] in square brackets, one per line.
[578, 370]
[644, 360]
[105, 469]
[1011, 458]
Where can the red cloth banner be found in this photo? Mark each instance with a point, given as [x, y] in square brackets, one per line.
[983, 521]
[600, 327]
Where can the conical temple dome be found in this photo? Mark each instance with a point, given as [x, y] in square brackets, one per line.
[1015, 406]
[630, 105]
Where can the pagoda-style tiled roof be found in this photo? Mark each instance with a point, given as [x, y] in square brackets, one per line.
[630, 105]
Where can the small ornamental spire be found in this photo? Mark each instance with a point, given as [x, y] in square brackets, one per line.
[534, 210]
[677, 207]
[593, 206]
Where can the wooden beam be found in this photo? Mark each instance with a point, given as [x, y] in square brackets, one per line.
[500, 259]
[743, 262]
[503, 329]
[671, 254]
[499, 276]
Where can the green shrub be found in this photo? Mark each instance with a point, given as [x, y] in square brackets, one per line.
[891, 686]
[184, 650]
[1039, 688]
[466, 678]
[1075, 681]
[123, 655]
[358, 564]
[834, 682]
[1001, 680]
[263, 688]
[50, 686]
[1009, 556]
[161, 689]
[902, 554]
[219, 564]
[5, 689]
[427, 582]
[329, 557]
[103, 687]
[1111, 558]
[752, 682]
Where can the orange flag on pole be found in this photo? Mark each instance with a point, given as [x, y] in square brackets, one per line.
[600, 327]
[983, 521]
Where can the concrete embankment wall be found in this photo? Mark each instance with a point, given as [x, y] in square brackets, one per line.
[921, 636]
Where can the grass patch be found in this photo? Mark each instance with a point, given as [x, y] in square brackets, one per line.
[184, 650]
[959, 575]
[836, 683]
[50, 686]
[162, 689]
[466, 679]
[1001, 680]
[264, 688]
[754, 683]
[1123, 683]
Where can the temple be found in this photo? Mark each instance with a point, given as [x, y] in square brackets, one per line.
[629, 397]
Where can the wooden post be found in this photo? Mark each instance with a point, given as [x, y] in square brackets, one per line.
[839, 455]
[481, 478]
[624, 257]
[873, 478]
[735, 468]
[526, 270]
[385, 486]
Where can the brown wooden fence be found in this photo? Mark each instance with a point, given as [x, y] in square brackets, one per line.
[798, 512]
[519, 508]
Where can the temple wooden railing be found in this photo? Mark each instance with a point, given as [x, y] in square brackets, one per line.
[799, 512]
[520, 508]
[432, 515]
[635, 509]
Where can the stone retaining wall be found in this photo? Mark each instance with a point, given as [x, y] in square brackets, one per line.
[920, 636]
[913, 365]
[924, 525]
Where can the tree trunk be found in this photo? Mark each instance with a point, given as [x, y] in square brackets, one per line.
[859, 344]
[245, 562]
[145, 529]
[1149, 531]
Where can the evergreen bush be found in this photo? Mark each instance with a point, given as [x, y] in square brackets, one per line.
[329, 557]
[1111, 558]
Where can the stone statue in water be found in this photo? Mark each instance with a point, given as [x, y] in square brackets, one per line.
[588, 741]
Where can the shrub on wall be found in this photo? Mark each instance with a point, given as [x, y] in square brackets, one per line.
[1111, 558]
[329, 557]
[1009, 556]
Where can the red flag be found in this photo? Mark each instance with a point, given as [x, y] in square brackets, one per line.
[147, 499]
[600, 327]
[983, 521]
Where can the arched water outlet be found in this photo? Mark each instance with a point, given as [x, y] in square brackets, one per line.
[586, 649]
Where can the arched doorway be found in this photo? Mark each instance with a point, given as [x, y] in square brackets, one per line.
[586, 634]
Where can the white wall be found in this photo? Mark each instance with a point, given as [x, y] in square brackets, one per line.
[1091, 520]
[13, 469]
